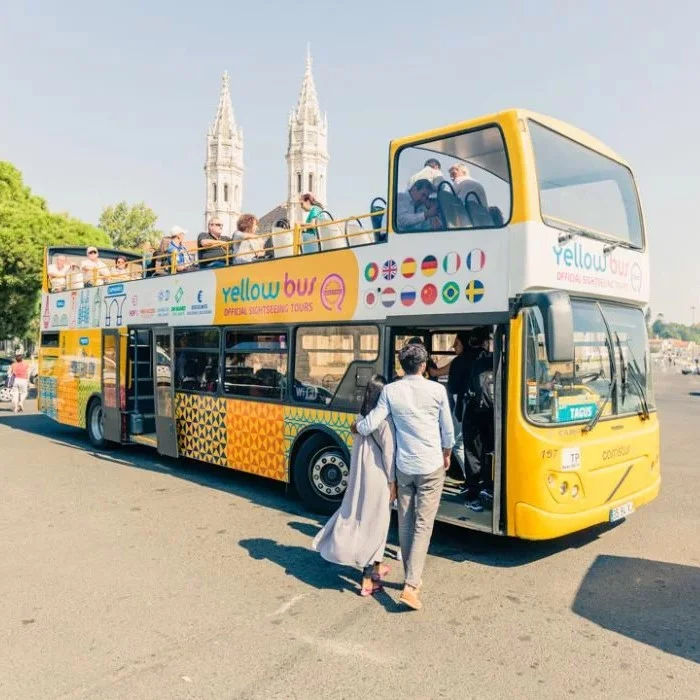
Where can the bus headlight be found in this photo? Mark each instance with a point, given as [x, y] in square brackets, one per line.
[574, 491]
[563, 487]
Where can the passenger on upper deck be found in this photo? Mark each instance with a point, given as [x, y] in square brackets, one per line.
[212, 245]
[309, 236]
[431, 171]
[75, 277]
[413, 210]
[249, 246]
[120, 272]
[464, 184]
[183, 259]
[57, 272]
[95, 272]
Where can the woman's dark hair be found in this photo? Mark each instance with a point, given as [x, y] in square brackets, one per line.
[374, 388]
[308, 197]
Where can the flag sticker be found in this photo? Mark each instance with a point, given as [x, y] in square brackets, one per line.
[428, 294]
[388, 297]
[389, 270]
[450, 293]
[408, 296]
[408, 268]
[451, 263]
[370, 298]
[429, 265]
[475, 260]
[474, 291]
[371, 272]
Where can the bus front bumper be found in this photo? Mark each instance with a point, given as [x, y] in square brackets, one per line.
[533, 523]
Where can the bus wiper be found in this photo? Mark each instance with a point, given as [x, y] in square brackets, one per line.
[623, 367]
[634, 375]
[613, 373]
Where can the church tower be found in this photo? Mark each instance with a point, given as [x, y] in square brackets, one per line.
[307, 150]
[223, 168]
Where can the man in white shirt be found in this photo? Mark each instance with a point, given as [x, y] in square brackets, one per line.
[57, 272]
[464, 184]
[424, 439]
[431, 171]
[414, 210]
[95, 272]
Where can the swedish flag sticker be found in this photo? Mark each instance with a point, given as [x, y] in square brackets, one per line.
[475, 291]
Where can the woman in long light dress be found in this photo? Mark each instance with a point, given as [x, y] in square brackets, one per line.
[356, 533]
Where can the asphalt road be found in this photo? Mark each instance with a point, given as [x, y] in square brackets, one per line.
[125, 575]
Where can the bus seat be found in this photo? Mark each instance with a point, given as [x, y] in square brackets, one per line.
[378, 204]
[282, 242]
[330, 236]
[496, 216]
[454, 215]
[354, 235]
[479, 214]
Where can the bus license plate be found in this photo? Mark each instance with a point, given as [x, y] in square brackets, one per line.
[621, 511]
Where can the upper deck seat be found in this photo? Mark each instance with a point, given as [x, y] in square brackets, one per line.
[282, 242]
[452, 211]
[354, 234]
[497, 216]
[330, 236]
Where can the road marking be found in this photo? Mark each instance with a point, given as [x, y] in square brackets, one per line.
[286, 606]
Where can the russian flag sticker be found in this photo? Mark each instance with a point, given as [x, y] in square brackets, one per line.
[388, 297]
[429, 265]
[475, 260]
[408, 296]
[408, 268]
[451, 263]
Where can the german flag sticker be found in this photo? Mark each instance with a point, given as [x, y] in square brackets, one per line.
[429, 265]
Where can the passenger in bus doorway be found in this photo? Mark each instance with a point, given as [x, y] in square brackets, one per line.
[356, 534]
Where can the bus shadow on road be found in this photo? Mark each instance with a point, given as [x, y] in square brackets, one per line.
[652, 602]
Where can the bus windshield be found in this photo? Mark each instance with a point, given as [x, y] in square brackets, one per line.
[573, 391]
[582, 191]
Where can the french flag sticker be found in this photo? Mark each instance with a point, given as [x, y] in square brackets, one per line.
[475, 260]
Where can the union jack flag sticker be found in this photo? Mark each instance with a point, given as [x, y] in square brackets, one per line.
[389, 270]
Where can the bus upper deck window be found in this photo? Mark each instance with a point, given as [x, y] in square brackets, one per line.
[460, 181]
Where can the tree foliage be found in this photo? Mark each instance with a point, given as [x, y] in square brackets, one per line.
[129, 227]
[661, 329]
[26, 228]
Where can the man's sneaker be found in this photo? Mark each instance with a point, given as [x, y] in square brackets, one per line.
[486, 498]
[475, 505]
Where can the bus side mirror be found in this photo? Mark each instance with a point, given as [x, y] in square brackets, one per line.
[558, 318]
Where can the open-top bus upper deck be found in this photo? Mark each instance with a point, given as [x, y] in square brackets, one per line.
[561, 213]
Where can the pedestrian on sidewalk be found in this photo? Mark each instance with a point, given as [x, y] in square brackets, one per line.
[356, 533]
[424, 439]
[18, 376]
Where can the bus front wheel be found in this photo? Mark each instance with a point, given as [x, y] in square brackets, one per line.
[321, 471]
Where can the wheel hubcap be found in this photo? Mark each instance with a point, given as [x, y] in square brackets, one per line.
[96, 423]
[329, 474]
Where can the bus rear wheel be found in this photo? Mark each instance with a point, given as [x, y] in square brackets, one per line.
[94, 424]
[321, 471]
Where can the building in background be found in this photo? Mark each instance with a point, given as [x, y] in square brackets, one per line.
[223, 167]
[307, 159]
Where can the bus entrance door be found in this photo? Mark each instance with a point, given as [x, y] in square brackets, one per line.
[163, 375]
[112, 386]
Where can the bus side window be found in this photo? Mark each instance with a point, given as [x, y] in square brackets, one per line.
[197, 360]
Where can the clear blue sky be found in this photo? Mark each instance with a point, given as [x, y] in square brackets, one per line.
[99, 104]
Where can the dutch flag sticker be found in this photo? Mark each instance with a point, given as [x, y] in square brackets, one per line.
[388, 297]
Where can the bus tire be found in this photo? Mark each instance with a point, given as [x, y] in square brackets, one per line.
[94, 425]
[320, 473]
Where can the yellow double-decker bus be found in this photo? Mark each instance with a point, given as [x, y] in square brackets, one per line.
[515, 225]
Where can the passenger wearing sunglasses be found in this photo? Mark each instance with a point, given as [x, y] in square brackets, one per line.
[212, 246]
[95, 272]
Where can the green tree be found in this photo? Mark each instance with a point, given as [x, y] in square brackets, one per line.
[129, 227]
[26, 228]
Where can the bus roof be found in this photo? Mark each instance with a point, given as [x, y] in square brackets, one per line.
[557, 125]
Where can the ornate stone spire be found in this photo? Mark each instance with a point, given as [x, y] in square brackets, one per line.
[224, 124]
[307, 109]
[223, 167]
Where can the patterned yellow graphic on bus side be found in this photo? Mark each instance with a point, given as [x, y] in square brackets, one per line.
[293, 289]
[251, 436]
